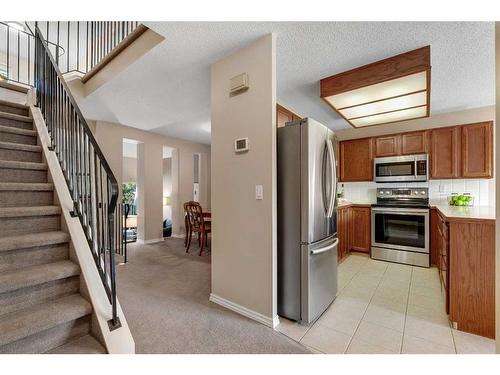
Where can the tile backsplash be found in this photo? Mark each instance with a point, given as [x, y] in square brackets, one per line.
[483, 190]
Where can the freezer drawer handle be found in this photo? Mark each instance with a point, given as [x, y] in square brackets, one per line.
[325, 249]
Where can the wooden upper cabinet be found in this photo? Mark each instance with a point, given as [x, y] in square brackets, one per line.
[414, 143]
[477, 150]
[445, 153]
[388, 145]
[401, 144]
[356, 160]
[284, 115]
[360, 236]
[462, 151]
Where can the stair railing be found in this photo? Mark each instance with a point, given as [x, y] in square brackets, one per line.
[86, 42]
[77, 46]
[17, 50]
[92, 185]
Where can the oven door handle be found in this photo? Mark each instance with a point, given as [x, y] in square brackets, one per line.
[401, 210]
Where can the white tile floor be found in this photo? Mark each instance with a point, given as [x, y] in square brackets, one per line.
[385, 308]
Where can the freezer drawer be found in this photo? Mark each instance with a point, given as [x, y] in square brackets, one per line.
[319, 278]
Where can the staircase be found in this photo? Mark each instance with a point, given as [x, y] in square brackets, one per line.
[41, 307]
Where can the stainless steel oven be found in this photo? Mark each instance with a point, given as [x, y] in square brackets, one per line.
[400, 226]
[401, 168]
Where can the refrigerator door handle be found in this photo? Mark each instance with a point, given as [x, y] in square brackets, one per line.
[326, 206]
[333, 185]
[326, 248]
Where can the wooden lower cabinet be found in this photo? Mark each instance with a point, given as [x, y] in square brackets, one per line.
[435, 238]
[343, 232]
[471, 271]
[466, 250]
[353, 230]
[443, 249]
[360, 229]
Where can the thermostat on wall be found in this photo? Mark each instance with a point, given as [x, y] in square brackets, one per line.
[241, 145]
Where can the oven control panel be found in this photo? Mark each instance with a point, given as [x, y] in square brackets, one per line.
[395, 193]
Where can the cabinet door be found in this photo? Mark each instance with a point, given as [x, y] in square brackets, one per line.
[445, 154]
[477, 150]
[435, 238]
[388, 145]
[360, 229]
[342, 232]
[356, 160]
[283, 116]
[414, 143]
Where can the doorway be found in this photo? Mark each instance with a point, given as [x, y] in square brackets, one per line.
[168, 190]
[130, 189]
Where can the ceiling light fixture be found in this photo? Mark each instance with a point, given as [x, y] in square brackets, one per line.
[390, 90]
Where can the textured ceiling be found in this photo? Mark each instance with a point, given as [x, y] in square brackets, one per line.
[168, 90]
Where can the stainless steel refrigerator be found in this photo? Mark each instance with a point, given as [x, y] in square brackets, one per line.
[307, 220]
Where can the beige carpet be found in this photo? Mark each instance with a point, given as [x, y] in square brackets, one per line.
[164, 294]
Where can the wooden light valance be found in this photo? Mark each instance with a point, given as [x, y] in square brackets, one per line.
[390, 90]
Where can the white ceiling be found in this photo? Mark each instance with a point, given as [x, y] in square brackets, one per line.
[168, 90]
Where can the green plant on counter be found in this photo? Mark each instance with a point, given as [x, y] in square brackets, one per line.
[460, 200]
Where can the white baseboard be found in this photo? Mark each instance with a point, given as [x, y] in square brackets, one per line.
[267, 321]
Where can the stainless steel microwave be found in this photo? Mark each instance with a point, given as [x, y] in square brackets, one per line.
[406, 168]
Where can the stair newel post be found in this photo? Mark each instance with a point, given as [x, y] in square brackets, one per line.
[113, 192]
[127, 211]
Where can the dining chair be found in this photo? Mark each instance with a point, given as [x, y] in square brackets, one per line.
[186, 224]
[197, 224]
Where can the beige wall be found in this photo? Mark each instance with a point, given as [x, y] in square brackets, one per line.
[150, 166]
[244, 229]
[436, 121]
[497, 167]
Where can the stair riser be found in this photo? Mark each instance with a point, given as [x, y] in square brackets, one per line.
[18, 138]
[14, 110]
[16, 123]
[20, 155]
[22, 175]
[13, 226]
[50, 338]
[16, 259]
[26, 198]
[27, 297]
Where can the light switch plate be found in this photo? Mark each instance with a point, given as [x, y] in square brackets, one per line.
[259, 192]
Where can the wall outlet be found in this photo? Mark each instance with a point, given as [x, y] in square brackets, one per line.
[259, 192]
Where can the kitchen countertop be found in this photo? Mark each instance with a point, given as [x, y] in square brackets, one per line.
[344, 204]
[450, 212]
[466, 212]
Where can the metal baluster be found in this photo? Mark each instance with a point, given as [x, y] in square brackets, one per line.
[78, 45]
